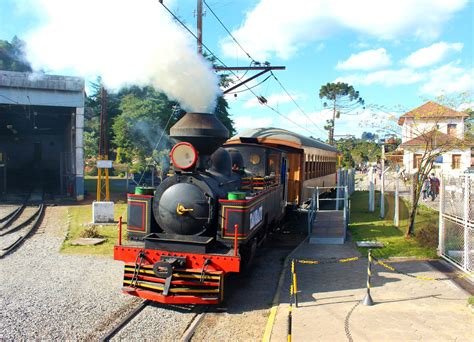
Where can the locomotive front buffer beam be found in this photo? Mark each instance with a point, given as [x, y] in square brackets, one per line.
[175, 278]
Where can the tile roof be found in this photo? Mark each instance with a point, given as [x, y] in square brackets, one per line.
[431, 110]
[435, 139]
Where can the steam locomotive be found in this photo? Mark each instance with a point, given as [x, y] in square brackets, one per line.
[209, 217]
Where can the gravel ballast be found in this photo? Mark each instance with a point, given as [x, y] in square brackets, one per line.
[48, 295]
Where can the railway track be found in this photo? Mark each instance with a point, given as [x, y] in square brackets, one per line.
[18, 224]
[132, 315]
[121, 324]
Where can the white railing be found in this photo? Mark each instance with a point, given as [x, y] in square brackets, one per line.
[342, 195]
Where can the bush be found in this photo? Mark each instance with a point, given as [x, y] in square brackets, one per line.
[90, 232]
[90, 170]
[428, 235]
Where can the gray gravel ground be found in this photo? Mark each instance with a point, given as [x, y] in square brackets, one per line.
[157, 323]
[48, 295]
[7, 209]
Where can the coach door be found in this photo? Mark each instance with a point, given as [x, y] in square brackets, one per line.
[284, 178]
[294, 177]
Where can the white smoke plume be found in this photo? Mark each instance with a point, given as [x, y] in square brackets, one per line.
[125, 42]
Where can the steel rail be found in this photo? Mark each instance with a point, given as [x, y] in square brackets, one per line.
[36, 218]
[193, 325]
[120, 325]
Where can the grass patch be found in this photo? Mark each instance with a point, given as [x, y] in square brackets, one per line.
[368, 226]
[79, 217]
[117, 185]
[470, 300]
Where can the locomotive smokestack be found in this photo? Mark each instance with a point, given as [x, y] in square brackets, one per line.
[204, 131]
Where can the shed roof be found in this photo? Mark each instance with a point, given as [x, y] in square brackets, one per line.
[431, 110]
[282, 137]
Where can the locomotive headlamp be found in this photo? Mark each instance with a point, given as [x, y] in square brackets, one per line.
[183, 155]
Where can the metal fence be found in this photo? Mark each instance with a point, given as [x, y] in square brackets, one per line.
[456, 220]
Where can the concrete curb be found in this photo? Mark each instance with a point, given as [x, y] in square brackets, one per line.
[276, 298]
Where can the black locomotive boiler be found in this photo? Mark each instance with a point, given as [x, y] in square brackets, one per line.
[205, 220]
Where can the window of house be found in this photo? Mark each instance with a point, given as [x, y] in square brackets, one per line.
[417, 161]
[456, 161]
[452, 129]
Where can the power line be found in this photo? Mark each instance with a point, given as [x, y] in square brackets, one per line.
[192, 33]
[292, 99]
[218, 59]
[230, 34]
[287, 118]
[248, 88]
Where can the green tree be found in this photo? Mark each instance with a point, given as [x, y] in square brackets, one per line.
[12, 56]
[342, 99]
[92, 118]
[144, 113]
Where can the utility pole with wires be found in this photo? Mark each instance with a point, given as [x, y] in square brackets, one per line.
[103, 164]
[396, 215]
[382, 183]
[199, 26]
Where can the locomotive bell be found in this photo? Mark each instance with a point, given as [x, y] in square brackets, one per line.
[204, 131]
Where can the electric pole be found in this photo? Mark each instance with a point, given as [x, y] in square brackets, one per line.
[199, 26]
[103, 150]
[382, 183]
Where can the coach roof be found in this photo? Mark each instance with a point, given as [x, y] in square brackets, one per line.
[280, 136]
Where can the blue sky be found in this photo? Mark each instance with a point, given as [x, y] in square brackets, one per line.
[396, 53]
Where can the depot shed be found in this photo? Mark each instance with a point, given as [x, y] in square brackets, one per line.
[41, 134]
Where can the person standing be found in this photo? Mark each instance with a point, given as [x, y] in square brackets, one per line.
[426, 189]
[434, 186]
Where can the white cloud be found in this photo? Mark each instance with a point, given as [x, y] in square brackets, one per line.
[366, 60]
[143, 46]
[272, 100]
[386, 78]
[245, 122]
[432, 54]
[448, 79]
[467, 105]
[281, 28]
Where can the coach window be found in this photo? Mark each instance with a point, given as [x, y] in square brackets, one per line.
[274, 165]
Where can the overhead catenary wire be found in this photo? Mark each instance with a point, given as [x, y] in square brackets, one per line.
[220, 61]
[294, 101]
[248, 88]
[230, 34]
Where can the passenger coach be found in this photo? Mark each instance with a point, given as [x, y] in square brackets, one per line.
[311, 162]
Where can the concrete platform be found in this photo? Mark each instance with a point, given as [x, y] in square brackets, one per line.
[405, 308]
[329, 227]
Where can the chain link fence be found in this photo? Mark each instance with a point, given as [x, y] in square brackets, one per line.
[456, 235]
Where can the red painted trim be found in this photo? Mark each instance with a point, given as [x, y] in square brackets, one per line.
[195, 155]
[219, 262]
[142, 228]
[174, 282]
[140, 196]
[170, 299]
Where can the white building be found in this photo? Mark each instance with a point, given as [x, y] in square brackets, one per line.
[434, 129]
